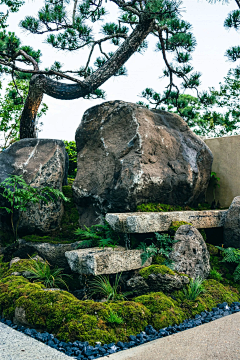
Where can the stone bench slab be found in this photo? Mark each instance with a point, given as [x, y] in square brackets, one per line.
[146, 222]
[96, 261]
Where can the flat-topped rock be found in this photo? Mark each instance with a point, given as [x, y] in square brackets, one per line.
[96, 261]
[146, 222]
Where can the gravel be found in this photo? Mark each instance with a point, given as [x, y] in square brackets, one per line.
[83, 351]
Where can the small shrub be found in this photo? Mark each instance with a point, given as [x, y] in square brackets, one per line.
[214, 274]
[232, 255]
[194, 289]
[71, 149]
[98, 235]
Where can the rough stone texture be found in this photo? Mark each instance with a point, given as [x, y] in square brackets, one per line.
[139, 222]
[190, 253]
[231, 229]
[42, 162]
[96, 261]
[14, 261]
[155, 283]
[131, 155]
[53, 253]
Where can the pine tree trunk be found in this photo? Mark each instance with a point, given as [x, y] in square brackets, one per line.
[41, 84]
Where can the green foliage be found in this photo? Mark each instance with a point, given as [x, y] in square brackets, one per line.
[19, 195]
[72, 154]
[155, 269]
[162, 244]
[114, 318]
[42, 272]
[98, 235]
[102, 286]
[214, 274]
[194, 289]
[232, 255]
[11, 106]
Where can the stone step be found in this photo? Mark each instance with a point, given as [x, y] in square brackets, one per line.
[96, 261]
[147, 222]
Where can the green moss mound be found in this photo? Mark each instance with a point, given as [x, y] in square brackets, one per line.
[155, 269]
[159, 259]
[70, 319]
[164, 310]
[156, 207]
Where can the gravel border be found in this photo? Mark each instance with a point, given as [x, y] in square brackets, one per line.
[83, 351]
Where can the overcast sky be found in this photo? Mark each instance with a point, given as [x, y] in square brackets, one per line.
[63, 117]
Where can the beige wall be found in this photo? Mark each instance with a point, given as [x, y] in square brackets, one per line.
[226, 164]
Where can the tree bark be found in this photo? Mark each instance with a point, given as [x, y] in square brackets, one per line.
[40, 84]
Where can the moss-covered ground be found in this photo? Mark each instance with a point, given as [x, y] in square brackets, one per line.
[60, 313]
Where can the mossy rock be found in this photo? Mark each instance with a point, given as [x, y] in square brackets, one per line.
[156, 207]
[175, 225]
[164, 310]
[155, 269]
[4, 266]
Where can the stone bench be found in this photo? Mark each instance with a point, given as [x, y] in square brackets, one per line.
[140, 222]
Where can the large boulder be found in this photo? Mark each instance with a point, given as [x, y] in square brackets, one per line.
[231, 228]
[156, 278]
[41, 162]
[190, 254]
[129, 155]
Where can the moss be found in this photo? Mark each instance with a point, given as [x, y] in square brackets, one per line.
[175, 225]
[164, 310]
[3, 267]
[213, 250]
[155, 269]
[156, 207]
[70, 319]
[20, 266]
[158, 259]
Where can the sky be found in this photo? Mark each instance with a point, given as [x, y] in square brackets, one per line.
[63, 117]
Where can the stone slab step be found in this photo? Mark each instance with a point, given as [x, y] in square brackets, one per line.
[140, 222]
[95, 261]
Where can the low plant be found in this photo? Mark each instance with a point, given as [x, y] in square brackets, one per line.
[232, 255]
[101, 285]
[194, 289]
[162, 244]
[40, 271]
[214, 274]
[19, 195]
[98, 235]
[114, 318]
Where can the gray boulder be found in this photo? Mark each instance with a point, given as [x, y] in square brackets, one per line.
[129, 155]
[190, 253]
[41, 162]
[231, 228]
[156, 282]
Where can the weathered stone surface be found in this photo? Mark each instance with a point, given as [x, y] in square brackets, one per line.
[156, 282]
[231, 230]
[53, 253]
[160, 221]
[95, 261]
[14, 261]
[41, 162]
[190, 253]
[129, 155]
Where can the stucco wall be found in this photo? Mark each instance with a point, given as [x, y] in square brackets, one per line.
[226, 164]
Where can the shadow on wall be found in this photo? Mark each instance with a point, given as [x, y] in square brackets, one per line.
[226, 165]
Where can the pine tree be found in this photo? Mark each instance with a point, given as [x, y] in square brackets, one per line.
[68, 25]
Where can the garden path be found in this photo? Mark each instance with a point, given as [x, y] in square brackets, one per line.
[217, 340]
[15, 345]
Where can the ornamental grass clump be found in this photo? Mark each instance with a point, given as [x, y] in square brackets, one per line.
[41, 272]
[102, 286]
[194, 289]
